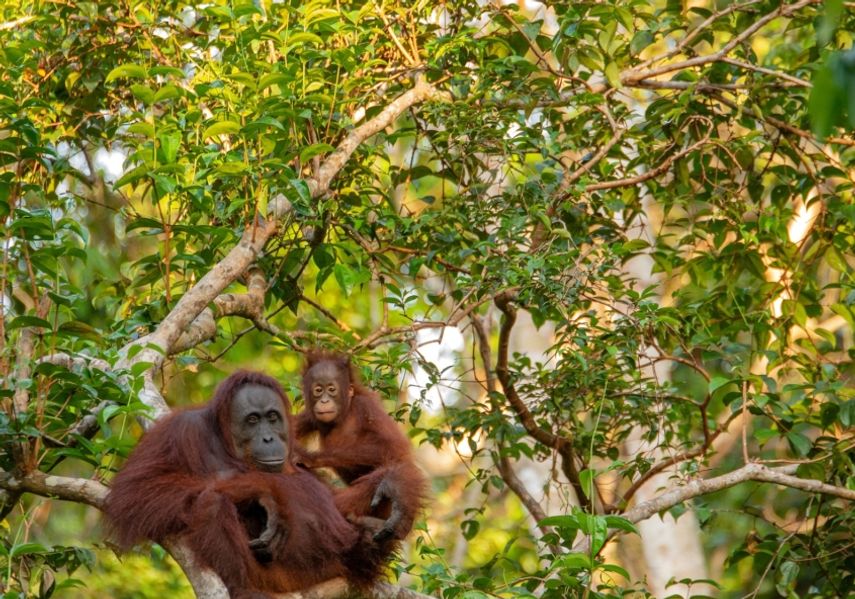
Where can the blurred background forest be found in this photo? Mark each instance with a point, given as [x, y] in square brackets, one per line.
[595, 255]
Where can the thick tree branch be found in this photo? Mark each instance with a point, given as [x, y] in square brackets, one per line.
[749, 472]
[249, 305]
[74, 362]
[752, 471]
[80, 490]
[319, 184]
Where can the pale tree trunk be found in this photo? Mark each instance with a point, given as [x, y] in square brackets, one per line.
[671, 548]
[544, 480]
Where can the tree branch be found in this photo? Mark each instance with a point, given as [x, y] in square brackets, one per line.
[250, 305]
[80, 490]
[319, 184]
[752, 471]
[635, 76]
[502, 463]
[561, 444]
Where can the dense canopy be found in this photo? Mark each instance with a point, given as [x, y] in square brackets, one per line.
[597, 256]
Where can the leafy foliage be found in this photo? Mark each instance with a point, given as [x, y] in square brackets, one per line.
[664, 191]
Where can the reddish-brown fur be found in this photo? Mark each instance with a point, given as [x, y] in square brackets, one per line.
[365, 447]
[185, 479]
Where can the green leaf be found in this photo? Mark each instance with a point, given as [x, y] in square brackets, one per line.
[824, 103]
[621, 524]
[220, 128]
[800, 444]
[567, 520]
[140, 367]
[29, 321]
[829, 22]
[640, 41]
[167, 92]
[279, 79]
[586, 478]
[314, 150]
[717, 382]
[169, 145]
[128, 71]
[470, 529]
[27, 549]
[323, 256]
[835, 260]
[142, 128]
[786, 577]
[163, 70]
[617, 570]
[142, 92]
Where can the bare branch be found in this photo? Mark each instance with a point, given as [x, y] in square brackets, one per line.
[652, 173]
[15, 23]
[682, 44]
[250, 305]
[502, 463]
[779, 124]
[635, 76]
[80, 490]
[320, 183]
[74, 362]
[750, 67]
[752, 471]
[25, 348]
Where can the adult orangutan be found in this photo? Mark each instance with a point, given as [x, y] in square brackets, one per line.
[221, 478]
[361, 443]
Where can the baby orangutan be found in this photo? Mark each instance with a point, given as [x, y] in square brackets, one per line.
[363, 445]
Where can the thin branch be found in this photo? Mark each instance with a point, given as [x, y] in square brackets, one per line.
[502, 463]
[682, 44]
[374, 338]
[779, 124]
[338, 323]
[15, 23]
[750, 67]
[682, 457]
[646, 176]
[634, 76]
